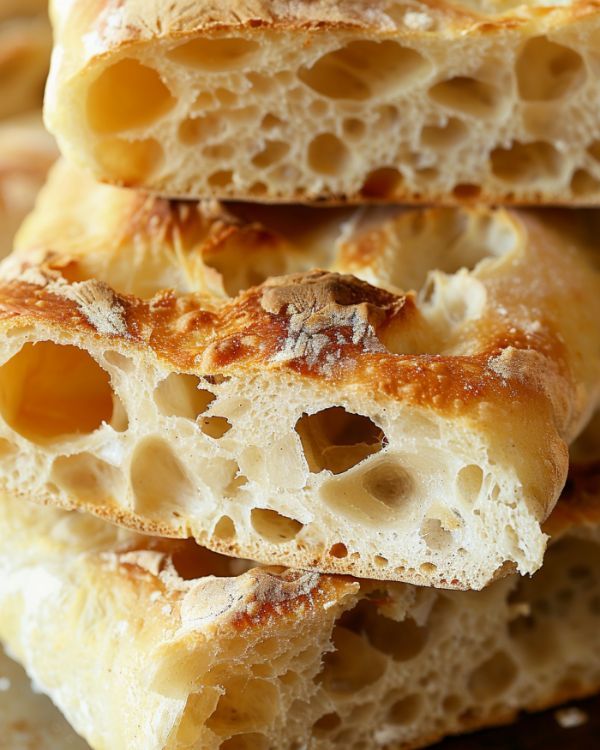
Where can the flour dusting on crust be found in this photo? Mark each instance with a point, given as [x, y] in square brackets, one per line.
[98, 303]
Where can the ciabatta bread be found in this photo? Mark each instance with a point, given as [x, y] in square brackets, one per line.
[25, 45]
[28, 720]
[323, 419]
[160, 645]
[294, 100]
[27, 152]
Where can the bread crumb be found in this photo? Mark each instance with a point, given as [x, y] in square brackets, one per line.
[4, 684]
[571, 717]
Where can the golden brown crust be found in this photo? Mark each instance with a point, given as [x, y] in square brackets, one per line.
[251, 321]
[382, 16]
[243, 335]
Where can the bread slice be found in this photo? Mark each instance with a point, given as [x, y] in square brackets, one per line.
[149, 644]
[28, 720]
[316, 420]
[25, 45]
[294, 100]
[27, 152]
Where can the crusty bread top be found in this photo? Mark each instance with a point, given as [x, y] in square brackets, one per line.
[146, 19]
[251, 337]
[192, 273]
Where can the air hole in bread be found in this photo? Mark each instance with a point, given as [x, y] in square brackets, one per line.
[271, 122]
[224, 529]
[87, 478]
[526, 163]
[318, 108]
[364, 69]
[129, 162]
[247, 705]
[194, 130]
[492, 678]
[298, 97]
[339, 550]
[388, 483]
[215, 55]
[158, 479]
[327, 723]
[204, 100]
[406, 710]
[466, 191]
[383, 493]
[190, 562]
[291, 678]
[261, 84]
[214, 427]
[435, 536]
[244, 115]
[127, 95]
[335, 440]
[258, 189]
[221, 179]
[468, 96]
[537, 644]
[382, 183]
[273, 527]
[237, 480]
[402, 640]
[354, 129]
[49, 392]
[583, 183]
[547, 70]
[272, 153]
[328, 155]
[352, 666]
[218, 152]
[380, 561]
[178, 395]
[226, 97]
[251, 741]
[469, 481]
[269, 648]
[387, 117]
[444, 137]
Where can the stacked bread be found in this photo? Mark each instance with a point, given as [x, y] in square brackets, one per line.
[377, 405]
